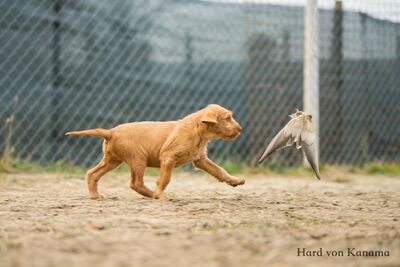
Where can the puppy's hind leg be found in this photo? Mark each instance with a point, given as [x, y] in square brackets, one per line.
[94, 174]
[137, 183]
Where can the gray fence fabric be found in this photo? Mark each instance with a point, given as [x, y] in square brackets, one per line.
[94, 63]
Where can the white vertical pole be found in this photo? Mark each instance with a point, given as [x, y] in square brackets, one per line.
[311, 64]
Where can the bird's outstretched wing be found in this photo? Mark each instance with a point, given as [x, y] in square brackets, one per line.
[312, 158]
[300, 131]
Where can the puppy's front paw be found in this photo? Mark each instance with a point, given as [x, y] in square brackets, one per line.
[236, 181]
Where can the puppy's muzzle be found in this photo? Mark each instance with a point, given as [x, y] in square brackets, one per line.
[237, 130]
[235, 133]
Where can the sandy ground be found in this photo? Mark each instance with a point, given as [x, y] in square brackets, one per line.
[48, 220]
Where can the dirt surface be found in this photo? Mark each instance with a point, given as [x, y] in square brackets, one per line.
[48, 220]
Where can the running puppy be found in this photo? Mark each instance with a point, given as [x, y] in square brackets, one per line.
[165, 145]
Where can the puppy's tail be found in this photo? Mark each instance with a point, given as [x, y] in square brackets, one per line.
[99, 132]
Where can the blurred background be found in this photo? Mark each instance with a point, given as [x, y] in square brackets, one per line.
[79, 64]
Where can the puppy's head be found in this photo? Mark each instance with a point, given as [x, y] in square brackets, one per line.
[220, 123]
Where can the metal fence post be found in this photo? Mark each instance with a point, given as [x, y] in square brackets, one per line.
[311, 64]
[56, 78]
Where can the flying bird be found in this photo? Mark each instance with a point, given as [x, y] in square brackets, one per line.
[299, 130]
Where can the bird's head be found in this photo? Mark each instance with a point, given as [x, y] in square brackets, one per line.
[301, 115]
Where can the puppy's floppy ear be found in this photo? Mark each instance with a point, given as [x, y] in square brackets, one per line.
[209, 116]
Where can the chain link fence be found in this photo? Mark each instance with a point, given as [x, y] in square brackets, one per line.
[81, 64]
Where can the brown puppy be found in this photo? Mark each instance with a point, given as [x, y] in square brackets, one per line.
[165, 145]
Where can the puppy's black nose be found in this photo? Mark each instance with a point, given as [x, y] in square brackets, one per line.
[239, 128]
